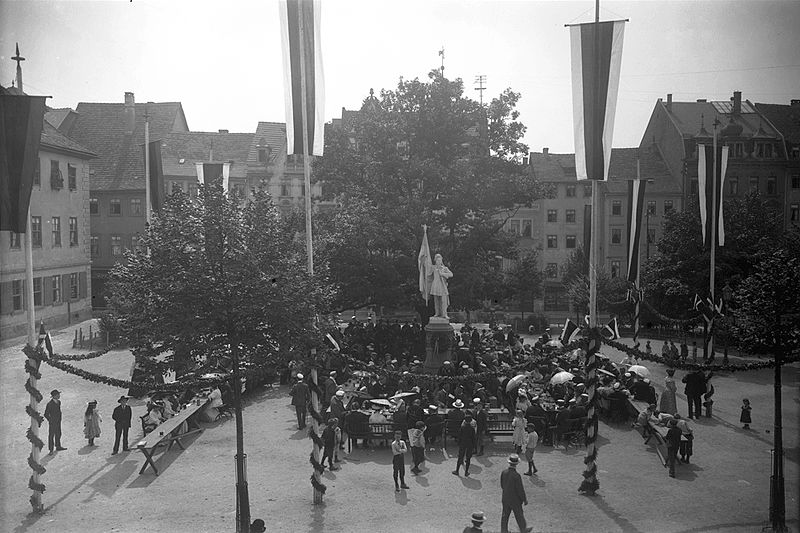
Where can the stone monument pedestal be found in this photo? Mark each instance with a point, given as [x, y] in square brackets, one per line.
[438, 344]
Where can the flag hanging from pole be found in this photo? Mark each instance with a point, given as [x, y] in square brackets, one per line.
[611, 330]
[21, 123]
[210, 172]
[302, 17]
[569, 332]
[705, 171]
[636, 189]
[156, 175]
[423, 262]
[596, 62]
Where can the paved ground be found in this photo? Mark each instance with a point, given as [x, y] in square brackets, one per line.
[725, 489]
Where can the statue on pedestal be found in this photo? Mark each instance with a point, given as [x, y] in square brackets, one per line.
[433, 277]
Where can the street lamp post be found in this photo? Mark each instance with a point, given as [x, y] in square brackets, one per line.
[777, 500]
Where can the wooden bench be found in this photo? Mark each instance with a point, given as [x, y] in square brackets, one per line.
[365, 430]
[495, 427]
[655, 432]
[168, 433]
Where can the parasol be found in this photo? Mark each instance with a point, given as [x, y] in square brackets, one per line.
[402, 395]
[561, 377]
[382, 401]
[554, 342]
[516, 381]
[639, 369]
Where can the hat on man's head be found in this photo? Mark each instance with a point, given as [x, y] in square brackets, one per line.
[573, 400]
[420, 424]
[646, 380]
[458, 404]
[617, 385]
[433, 407]
[513, 459]
[94, 402]
[340, 393]
[299, 376]
[332, 372]
[628, 374]
[478, 517]
[122, 398]
[55, 391]
[560, 402]
[476, 400]
[447, 362]
[535, 398]
[258, 525]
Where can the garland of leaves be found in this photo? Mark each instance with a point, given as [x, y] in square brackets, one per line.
[590, 484]
[32, 364]
[683, 365]
[82, 356]
[315, 438]
[678, 321]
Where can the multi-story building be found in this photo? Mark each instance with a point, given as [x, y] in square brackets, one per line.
[59, 209]
[786, 119]
[115, 132]
[757, 152]
[558, 226]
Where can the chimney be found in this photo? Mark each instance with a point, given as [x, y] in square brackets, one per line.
[701, 100]
[795, 102]
[737, 102]
[130, 113]
[224, 131]
[669, 102]
[546, 151]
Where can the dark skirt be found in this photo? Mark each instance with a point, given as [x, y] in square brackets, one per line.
[745, 418]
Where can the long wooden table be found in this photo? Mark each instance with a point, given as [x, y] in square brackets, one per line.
[654, 431]
[169, 432]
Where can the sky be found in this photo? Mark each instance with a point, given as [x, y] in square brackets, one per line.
[222, 59]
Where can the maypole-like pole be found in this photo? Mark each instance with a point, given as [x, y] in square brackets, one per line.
[714, 221]
[32, 365]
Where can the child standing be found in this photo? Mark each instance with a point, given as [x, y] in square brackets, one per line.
[91, 422]
[518, 425]
[745, 418]
[337, 442]
[531, 440]
[329, 441]
[398, 461]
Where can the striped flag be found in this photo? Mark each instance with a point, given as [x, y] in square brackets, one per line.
[636, 190]
[209, 172]
[705, 189]
[21, 123]
[611, 330]
[423, 262]
[332, 341]
[156, 175]
[302, 17]
[596, 61]
[569, 332]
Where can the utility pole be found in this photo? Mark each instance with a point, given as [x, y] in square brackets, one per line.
[480, 80]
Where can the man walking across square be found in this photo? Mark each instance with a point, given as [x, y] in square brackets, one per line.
[300, 394]
[52, 412]
[513, 496]
[122, 423]
[466, 444]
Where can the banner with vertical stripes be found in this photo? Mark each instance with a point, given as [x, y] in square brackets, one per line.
[156, 175]
[208, 172]
[636, 190]
[596, 62]
[302, 17]
[705, 190]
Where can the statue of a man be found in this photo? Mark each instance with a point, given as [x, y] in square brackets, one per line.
[435, 275]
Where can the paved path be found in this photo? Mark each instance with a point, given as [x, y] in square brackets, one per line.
[725, 489]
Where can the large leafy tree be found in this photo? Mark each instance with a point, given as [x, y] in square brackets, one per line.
[680, 269]
[525, 279]
[422, 153]
[219, 273]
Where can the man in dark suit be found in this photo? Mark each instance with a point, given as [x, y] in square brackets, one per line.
[52, 412]
[466, 444]
[300, 397]
[513, 496]
[122, 423]
[695, 387]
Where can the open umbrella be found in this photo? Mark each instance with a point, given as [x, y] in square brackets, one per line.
[402, 395]
[639, 369]
[554, 342]
[561, 377]
[382, 401]
[516, 381]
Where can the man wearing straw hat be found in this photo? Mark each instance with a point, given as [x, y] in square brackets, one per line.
[122, 423]
[477, 523]
[513, 496]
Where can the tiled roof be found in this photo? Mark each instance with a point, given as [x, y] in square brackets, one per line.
[57, 116]
[196, 146]
[101, 127]
[53, 138]
[786, 118]
[272, 134]
[688, 117]
[561, 167]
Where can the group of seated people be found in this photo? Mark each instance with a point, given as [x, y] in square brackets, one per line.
[651, 416]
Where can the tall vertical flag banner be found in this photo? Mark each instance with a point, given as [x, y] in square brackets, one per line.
[636, 190]
[705, 171]
[156, 175]
[569, 332]
[596, 62]
[209, 172]
[293, 14]
[21, 122]
[423, 260]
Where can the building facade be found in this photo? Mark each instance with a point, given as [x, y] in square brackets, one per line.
[60, 231]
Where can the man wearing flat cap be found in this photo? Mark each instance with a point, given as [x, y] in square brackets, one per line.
[122, 423]
[52, 412]
[513, 496]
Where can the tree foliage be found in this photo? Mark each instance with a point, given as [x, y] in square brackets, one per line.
[525, 278]
[423, 153]
[680, 269]
[219, 273]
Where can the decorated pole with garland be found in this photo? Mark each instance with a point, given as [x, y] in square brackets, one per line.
[590, 484]
[32, 364]
[313, 433]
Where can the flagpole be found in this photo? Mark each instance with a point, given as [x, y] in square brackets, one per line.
[713, 215]
[306, 150]
[636, 224]
[147, 166]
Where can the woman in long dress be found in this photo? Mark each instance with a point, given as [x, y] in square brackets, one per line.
[668, 403]
[91, 422]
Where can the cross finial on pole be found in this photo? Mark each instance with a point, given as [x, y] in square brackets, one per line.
[441, 53]
[19, 59]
